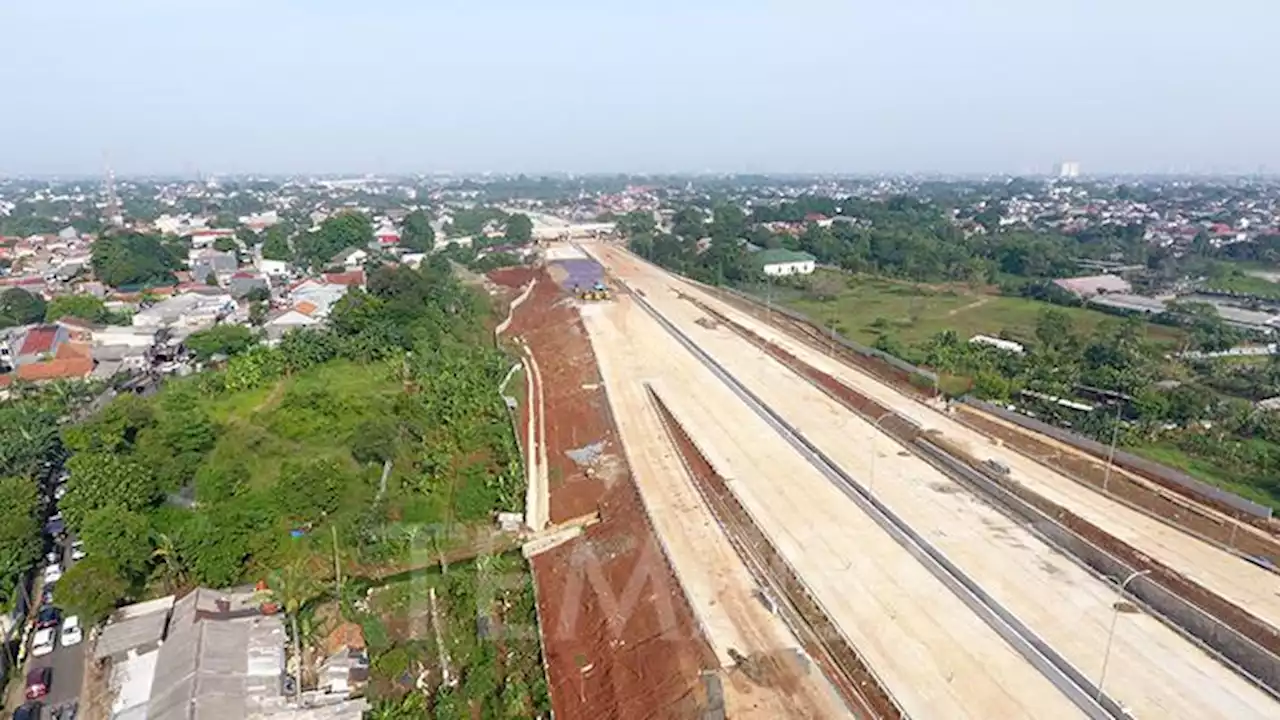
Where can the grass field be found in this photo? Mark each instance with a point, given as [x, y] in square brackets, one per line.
[1207, 471]
[913, 313]
[1252, 282]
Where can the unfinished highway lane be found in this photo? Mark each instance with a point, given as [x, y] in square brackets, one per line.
[937, 657]
[1160, 675]
[1229, 576]
[719, 586]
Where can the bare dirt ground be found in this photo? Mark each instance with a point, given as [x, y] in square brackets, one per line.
[620, 638]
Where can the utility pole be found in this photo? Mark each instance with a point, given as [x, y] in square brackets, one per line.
[1111, 455]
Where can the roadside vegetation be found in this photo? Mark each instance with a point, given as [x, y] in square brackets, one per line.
[349, 442]
[30, 448]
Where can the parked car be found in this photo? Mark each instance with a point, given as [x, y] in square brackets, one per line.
[72, 634]
[52, 557]
[42, 642]
[29, 711]
[38, 680]
[52, 573]
[77, 550]
[46, 595]
[60, 492]
[49, 617]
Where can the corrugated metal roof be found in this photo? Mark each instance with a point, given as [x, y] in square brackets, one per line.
[782, 255]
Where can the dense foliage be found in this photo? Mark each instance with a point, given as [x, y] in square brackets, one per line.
[417, 234]
[84, 307]
[275, 244]
[221, 340]
[30, 449]
[19, 307]
[131, 259]
[344, 231]
[223, 468]
[901, 237]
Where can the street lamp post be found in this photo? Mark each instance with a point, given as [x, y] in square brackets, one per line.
[1115, 615]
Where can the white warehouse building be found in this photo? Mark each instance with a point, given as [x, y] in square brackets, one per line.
[786, 262]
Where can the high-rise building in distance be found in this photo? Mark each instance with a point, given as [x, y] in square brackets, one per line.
[1069, 169]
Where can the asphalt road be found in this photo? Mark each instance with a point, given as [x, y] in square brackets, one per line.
[67, 662]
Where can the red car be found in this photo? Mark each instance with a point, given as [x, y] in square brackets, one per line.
[38, 680]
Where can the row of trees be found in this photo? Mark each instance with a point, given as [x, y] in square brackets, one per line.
[901, 237]
[30, 448]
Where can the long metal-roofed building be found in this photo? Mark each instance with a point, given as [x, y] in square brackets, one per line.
[211, 655]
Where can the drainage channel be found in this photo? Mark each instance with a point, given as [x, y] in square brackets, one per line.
[1079, 689]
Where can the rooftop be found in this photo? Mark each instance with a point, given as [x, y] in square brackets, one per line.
[134, 627]
[777, 256]
[39, 340]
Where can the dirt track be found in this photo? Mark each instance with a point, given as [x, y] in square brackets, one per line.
[620, 637]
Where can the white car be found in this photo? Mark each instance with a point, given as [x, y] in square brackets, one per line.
[77, 550]
[52, 573]
[60, 492]
[51, 557]
[72, 634]
[42, 642]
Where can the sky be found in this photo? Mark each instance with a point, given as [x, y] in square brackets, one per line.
[822, 86]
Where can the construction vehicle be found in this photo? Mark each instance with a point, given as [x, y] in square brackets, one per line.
[599, 291]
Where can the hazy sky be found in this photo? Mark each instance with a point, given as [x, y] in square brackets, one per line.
[224, 86]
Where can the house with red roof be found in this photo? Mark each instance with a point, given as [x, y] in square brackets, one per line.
[40, 342]
[350, 278]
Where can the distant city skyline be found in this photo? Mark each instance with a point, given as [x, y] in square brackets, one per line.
[756, 86]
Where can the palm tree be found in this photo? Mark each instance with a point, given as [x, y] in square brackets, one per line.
[293, 587]
[175, 572]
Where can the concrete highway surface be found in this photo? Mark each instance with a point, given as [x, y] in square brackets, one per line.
[933, 653]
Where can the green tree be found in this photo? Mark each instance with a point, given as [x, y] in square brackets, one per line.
[29, 436]
[19, 307]
[258, 294]
[293, 587]
[100, 479]
[1054, 329]
[211, 279]
[85, 307]
[257, 313]
[20, 533]
[121, 536]
[221, 340]
[226, 244]
[275, 244]
[343, 231]
[519, 229]
[92, 589]
[308, 491]
[637, 222]
[171, 563]
[132, 259]
[417, 233]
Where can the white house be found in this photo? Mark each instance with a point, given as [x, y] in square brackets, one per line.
[350, 258]
[273, 268]
[780, 262]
